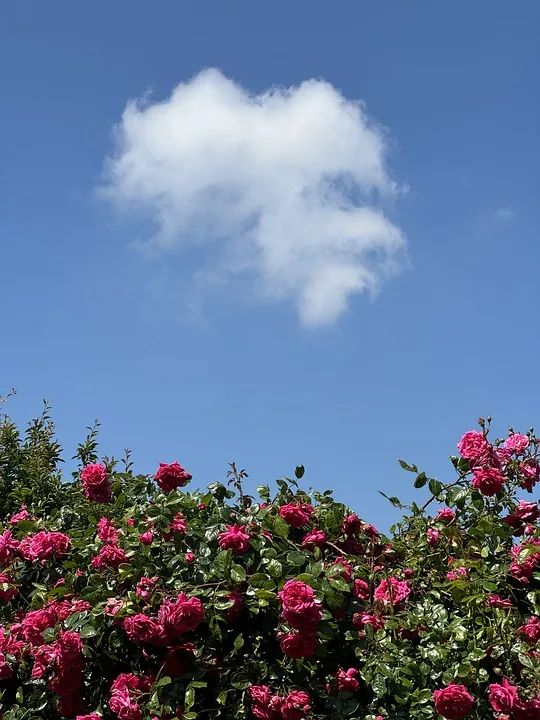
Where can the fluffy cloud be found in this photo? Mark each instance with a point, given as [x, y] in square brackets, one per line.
[288, 186]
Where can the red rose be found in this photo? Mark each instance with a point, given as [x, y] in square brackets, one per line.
[96, 483]
[171, 476]
[147, 538]
[141, 628]
[8, 547]
[453, 702]
[433, 537]
[106, 531]
[109, 556]
[526, 709]
[234, 538]
[531, 630]
[351, 525]
[501, 697]
[298, 645]
[445, 515]
[296, 514]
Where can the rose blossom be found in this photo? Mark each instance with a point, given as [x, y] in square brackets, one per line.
[433, 537]
[295, 705]
[529, 473]
[182, 615]
[141, 628]
[516, 443]
[298, 644]
[300, 609]
[531, 630]
[315, 538]
[8, 547]
[147, 538]
[502, 697]
[144, 588]
[497, 601]
[360, 620]
[171, 476]
[189, 557]
[109, 556]
[446, 515]
[296, 514]
[179, 526]
[524, 513]
[472, 445]
[456, 574]
[346, 680]
[23, 514]
[234, 538]
[392, 591]
[106, 530]
[45, 545]
[526, 709]
[351, 525]
[489, 481]
[361, 589]
[96, 483]
[453, 702]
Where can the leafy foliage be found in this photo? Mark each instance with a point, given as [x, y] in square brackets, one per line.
[165, 602]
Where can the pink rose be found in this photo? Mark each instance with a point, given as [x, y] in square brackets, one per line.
[497, 602]
[316, 538]
[234, 538]
[530, 632]
[8, 590]
[453, 702]
[516, 443]
[392, 591]
[456, 574]
[189, 557]
[433, 537]
[489, 481]
[298, 645]
[502, 697]
[346, 680]
[110, 556]
[106, 531]
[473, 445]
[300, 608]
[360, 620]
[141, 628]
[171, 476]
[147, 538]
[296, 514]
[295, 705]
[182, 615]
[8, 547]
[445, 515]
[524, 513]
[23, 514]
[526, 709]
[361, 589]
[96, 483]
[44, 546]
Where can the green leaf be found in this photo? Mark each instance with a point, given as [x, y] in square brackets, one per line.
[275, 568]
[421, 480]
[406, 466]
[435, 486]
[296, 558]
[280, 527]
[238, 574]
[260, 580]
[299, 472]
[88, 631]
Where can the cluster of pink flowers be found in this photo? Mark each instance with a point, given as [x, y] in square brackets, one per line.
[171, 476]
[392, 591]
[175, 618]
[522, 569]
[266, 706]
[126, 692]
[95, 483]
[505, 700]
[345, 681]
[302, 612]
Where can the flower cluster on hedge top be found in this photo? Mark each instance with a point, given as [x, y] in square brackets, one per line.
[126, 596]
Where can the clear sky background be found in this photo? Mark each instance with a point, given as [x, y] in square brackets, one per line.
[207, 306]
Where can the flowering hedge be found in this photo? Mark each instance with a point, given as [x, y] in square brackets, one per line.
[127, 596]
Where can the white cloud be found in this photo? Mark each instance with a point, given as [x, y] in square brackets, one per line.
[288, 186]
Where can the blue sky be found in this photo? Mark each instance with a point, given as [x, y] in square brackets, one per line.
[182, 356]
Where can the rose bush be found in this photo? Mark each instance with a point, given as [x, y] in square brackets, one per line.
[132, 597]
